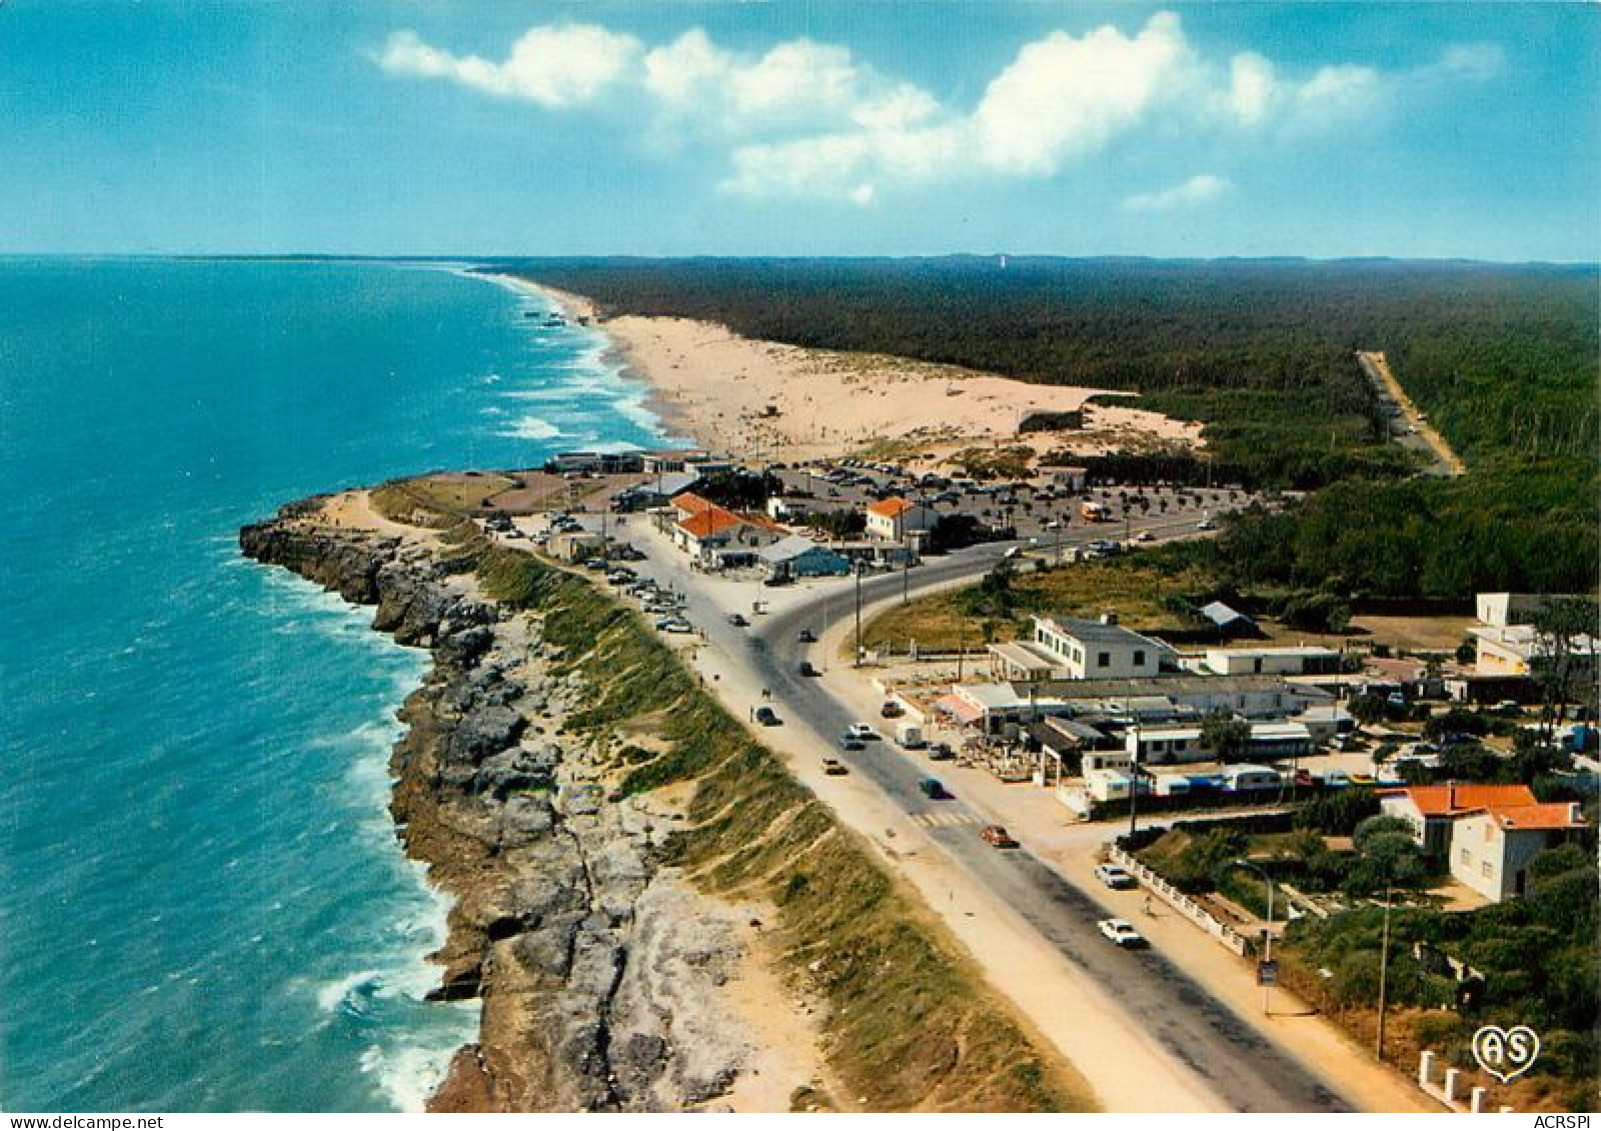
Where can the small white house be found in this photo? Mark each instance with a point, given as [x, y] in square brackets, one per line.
[1272, 661]
[1163, 746]
[1487, 834]
[1099, 649]
[896, 519]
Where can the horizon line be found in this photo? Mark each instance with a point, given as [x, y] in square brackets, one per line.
[754, 257]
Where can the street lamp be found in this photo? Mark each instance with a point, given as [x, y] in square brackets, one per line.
[1267, 951]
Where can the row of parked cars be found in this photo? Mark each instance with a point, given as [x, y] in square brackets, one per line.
[667, 607]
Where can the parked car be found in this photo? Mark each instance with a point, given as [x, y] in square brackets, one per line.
[997, 836]
[1121, 932]
[932, 789]
[940, 752]
[891, 710]
[1115, 877]
[834, 768]
[768, 717]
[806, 668]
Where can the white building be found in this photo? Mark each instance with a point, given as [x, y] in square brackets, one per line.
[1502, 610]
[1488, 834]
[1170, 745]
[896, 519]
[1272, 661]
[1520, 650]
[1161, 746]
[1103, 649]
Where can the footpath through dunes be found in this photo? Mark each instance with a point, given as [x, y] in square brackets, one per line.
[645, 897]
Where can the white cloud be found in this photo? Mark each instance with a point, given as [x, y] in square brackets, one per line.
[563, 65]
[1197, 190]
[809, 119]
[1337, 91]
[1476, 61]
[1063, 97]
[1251, 88]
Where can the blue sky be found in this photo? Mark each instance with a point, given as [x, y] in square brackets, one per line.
[411, 127]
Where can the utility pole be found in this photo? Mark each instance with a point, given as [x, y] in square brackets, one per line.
[857, 661]
[906, 570]
[1384, 970]
[1133, 790]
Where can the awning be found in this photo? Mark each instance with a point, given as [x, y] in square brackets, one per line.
[960, 708]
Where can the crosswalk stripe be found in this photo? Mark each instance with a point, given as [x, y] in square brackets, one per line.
[943, 819]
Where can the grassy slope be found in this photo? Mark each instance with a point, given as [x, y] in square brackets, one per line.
[1136, 588]
[912, 1025]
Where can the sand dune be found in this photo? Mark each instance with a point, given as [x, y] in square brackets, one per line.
[759, 398]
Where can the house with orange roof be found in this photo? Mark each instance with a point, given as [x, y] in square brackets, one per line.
[1487, 834]
[716, 536]
[896, 519]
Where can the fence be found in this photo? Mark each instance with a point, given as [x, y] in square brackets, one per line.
[1226, 935]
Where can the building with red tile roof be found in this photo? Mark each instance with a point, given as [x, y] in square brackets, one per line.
[1488, 835]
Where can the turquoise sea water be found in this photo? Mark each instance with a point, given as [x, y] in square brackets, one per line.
[202, 904]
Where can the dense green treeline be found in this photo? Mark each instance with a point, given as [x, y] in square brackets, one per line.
[1263, 351]
[1503, 358]
[1436, 539]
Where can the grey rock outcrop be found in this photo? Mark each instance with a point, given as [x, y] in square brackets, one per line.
[597, 969]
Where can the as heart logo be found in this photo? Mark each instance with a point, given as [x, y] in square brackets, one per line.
[1505, 1053]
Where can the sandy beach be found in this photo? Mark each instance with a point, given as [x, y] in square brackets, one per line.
[760, 399]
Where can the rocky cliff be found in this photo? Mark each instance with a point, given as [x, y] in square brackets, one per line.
[598, 968]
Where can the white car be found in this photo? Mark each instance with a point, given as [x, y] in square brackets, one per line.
[863, 733]
[1144, 536]
[1121, 932]
[1114, 876]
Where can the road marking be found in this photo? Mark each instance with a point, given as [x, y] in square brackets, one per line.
[943, 819]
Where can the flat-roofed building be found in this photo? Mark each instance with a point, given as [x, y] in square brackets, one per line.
[1098, 649]
[1309, 660]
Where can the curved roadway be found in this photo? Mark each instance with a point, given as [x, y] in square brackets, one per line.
[1245, 1070]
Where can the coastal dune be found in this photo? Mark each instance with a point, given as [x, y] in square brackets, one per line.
[756, 399]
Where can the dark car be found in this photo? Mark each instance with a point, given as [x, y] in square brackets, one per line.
[767, 717]
[940, 752]
[807, 636]
[806, 668]
[932, 789]
[851, 742]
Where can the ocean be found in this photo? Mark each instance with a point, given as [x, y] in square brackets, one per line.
[202, 902]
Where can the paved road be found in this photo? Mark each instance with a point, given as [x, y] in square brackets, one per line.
[1411, 429]
[1243, 1068]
